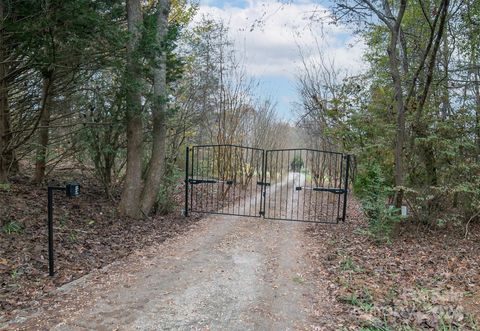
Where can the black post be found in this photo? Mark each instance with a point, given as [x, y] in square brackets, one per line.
[186, 180]
[51, 270]
[73, 190]
[345, 194]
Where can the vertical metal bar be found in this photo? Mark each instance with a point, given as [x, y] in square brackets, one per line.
[261, 179]
[234, 175]
[216, 163]
[347, 168]
[210, 174]
[244, 173]
[299, 184]
[282, 185]
[334, 169]
[330, 157]
[207, 186]
[227, 173]
[264, 187]
[192, 207]
[200, 189]
[276, 182]
[258, 178]
[251, 186]
[51, 270]
[304, 184]
[318, 171]
[294, 176]
[339, 186]
[186, 181]
[313, 164]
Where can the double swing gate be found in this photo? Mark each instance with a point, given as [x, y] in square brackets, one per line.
[286, 184]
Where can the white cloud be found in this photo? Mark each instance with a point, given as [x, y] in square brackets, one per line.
[271, 48]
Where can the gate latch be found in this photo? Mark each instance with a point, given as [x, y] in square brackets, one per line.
[210, 181]
[263, 184]
[321, 189]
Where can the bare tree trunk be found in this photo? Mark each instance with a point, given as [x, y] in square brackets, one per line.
[130, 202]
[445, 93]
[3, 105]
[43, 131]
[475, 72]
[477, 110]
[157, 161]
[476, 89]
[399, 104]
[420, 127]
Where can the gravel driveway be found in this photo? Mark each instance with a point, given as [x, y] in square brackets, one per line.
[227, 273]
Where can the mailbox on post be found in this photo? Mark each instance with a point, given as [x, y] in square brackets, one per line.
[73, 190]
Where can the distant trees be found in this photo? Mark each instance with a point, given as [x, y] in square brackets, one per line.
[222, 94]
[414, 112]
[120, 88]
[297, 163]
[43, 49]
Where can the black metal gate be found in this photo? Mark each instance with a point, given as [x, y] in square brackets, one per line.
[289, 184]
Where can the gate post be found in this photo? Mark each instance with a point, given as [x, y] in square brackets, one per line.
[345, 194]
[186, 181]
[263, 187]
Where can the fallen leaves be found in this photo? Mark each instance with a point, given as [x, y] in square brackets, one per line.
[424, 280]
[88, 235]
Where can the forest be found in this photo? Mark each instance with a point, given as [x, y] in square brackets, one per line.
[111, 93]
[413, 117]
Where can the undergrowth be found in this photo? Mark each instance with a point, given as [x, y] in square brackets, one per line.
[370, 186]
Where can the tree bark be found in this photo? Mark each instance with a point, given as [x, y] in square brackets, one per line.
[43, 131]
[3, 105]
[420, 128]
[477, 111]
[130, 201]
[445, 110]
[157, 162]
[399, 103]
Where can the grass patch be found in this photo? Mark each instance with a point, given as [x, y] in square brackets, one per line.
[6, 187]
[15, 274]
[349, 265]
[298, 280]
[361, 299]
[13, 227]
[73, 236]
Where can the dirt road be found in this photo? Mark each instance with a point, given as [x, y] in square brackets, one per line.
[227, 273]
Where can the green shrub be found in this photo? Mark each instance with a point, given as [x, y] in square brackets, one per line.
[369, 181]
[372, 190]
[5, 187]
[166, 195]
[297, 163]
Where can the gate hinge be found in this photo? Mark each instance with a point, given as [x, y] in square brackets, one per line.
[261, 213]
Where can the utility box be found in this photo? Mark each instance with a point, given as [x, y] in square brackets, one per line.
[72, 189]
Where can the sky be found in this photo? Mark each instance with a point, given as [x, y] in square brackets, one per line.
[271, 49]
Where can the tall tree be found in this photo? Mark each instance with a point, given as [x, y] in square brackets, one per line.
[157, 161]
[130, 202]
[4, 112]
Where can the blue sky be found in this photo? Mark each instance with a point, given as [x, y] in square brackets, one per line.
[270, 51]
